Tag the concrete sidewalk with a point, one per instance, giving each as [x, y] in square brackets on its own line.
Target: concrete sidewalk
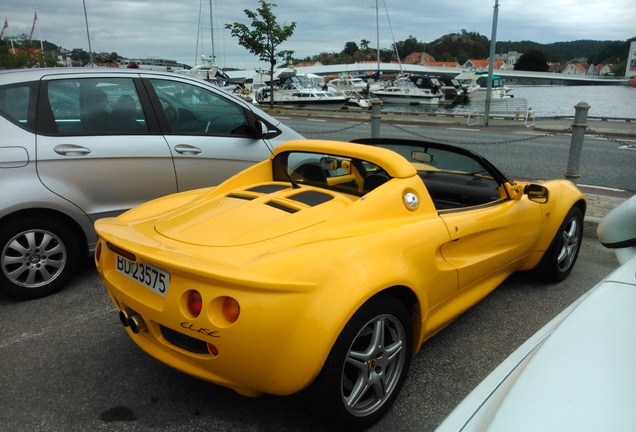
[598, 205]
[612, 128]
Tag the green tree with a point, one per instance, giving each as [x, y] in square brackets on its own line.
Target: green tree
[409, 46]
[22, 52]
[264, 37]
[533, 60]
[350, 48]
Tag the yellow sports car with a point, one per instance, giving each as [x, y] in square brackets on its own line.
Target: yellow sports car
[329, 264]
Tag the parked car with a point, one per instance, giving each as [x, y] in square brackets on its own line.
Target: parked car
[80, 144]
[577, 373]
[328, 265]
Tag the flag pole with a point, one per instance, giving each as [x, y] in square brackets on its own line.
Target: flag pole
[6, 24]
[35, 18]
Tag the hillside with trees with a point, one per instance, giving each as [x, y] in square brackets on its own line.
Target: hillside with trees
[463, 46]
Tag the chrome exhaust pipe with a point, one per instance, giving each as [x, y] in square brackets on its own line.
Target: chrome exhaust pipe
[136, 323]
[125, 315]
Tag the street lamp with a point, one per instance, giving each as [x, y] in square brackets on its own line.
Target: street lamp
[491, 62]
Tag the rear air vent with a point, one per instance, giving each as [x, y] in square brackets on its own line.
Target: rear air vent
[243, 197]
[311, 198]
[268, 188]
[282, 207]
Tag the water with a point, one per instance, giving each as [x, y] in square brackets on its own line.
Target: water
[615, 101]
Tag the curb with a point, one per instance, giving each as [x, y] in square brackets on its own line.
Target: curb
[590, 225]
[593, 131]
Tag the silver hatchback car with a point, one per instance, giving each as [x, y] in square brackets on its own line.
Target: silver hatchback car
[80, 144]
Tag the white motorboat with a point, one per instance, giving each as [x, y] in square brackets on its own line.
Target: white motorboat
[475, 85]
[412, 90]
[453, 91]
[356, 84]
[298, 90]
[356, 99]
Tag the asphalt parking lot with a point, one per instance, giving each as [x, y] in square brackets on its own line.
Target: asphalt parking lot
[68, 365]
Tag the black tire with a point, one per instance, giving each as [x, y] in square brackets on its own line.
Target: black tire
[37, 257]
[559, 259]
[359, 368]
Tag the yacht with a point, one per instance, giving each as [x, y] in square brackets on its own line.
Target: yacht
[298, 90]
[412, 90]
[475, 85]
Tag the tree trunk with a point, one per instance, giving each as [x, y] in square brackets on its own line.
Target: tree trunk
[271, 86]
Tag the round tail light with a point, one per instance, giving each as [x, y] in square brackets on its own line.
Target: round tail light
[231, 309]
[195, 303]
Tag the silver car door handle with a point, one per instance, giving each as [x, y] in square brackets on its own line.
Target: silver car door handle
[187, 149]
[71, 150]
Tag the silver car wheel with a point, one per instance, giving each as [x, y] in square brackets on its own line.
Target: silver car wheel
[570, 244]
[559, 259]
[33, 258]
[373, 365]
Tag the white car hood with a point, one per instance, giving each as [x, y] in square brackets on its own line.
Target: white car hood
[576, 374]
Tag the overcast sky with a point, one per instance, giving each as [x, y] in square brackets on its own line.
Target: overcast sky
[168, 28]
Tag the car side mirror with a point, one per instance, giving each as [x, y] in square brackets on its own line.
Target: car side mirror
[261, 129]
[536, 193]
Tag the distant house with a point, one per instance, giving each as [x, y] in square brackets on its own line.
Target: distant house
[511, 58]
[308, 64]
[603, 69]
[442, 64]
[556, 67]
[418, 58]
[480, 65]
[576, 69]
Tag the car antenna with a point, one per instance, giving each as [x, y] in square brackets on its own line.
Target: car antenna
[295, 185]
[293, 182]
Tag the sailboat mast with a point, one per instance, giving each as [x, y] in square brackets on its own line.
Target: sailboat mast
[377, 32]
[196, 51]
[212, 33]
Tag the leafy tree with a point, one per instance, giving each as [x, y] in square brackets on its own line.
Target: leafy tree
[409, 46]
[613, 52]
[350, 48]
[533, 60]
[364, 44]
[459, 47]
[25, 53]
[79, 55]
[264, 37]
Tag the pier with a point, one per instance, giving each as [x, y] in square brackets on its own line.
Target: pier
[513, 75]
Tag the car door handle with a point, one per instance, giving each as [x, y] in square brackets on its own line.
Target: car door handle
[187, 149]
[71, 150]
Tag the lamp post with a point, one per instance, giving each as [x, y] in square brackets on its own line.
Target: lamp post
[491, 62]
